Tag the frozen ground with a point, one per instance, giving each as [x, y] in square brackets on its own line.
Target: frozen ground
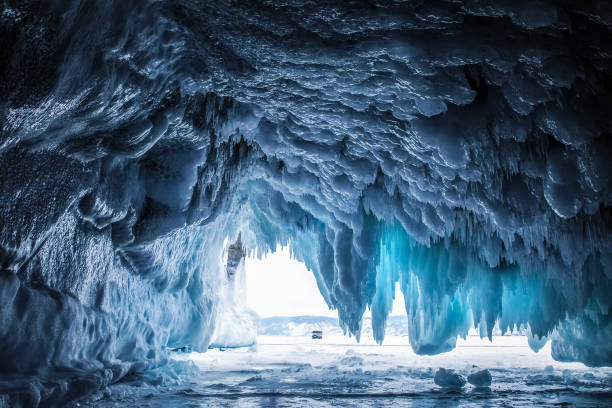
[284, 371]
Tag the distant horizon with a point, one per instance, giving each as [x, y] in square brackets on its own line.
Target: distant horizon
[396, 325]
[369, 316]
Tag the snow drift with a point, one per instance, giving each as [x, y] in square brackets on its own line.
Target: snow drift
[461, 149]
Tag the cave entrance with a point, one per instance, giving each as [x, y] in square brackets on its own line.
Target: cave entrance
[285, 296]
[278, 285]
[284, 365]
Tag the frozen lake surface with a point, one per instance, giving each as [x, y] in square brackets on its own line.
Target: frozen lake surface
[282, 371]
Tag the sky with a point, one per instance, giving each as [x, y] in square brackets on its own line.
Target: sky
[280, 286]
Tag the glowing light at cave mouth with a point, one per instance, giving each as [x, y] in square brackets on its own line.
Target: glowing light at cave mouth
[278, 285]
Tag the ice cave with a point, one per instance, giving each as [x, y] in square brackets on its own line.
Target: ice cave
[458, 151]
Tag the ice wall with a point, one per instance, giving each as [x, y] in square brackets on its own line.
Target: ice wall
[460, 148]
[236, 323]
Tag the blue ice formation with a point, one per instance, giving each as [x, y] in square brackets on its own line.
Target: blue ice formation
[480, 378]
[459, 148]
[448, 379]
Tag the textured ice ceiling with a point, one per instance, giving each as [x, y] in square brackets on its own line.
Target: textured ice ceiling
[461, 148]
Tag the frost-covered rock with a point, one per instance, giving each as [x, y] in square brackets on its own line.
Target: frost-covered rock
[448, 379]
[480, 379]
